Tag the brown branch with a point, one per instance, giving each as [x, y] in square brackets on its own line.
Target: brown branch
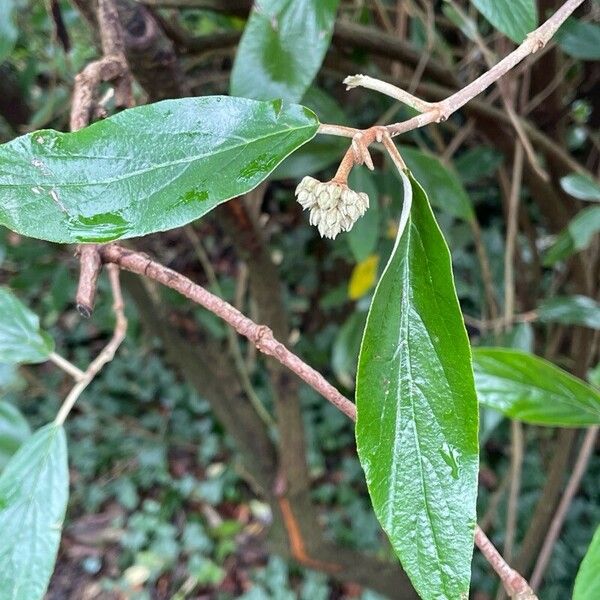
[87, 81]
[112, 67]
[260, 335]
[89, 270]
[515, 585]
[111, 38]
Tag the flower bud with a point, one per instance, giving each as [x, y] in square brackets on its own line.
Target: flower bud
[333, 206]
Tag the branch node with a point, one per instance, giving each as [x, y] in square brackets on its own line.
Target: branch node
[261, 334]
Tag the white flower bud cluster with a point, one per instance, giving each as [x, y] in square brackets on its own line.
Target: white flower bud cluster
[333, 207]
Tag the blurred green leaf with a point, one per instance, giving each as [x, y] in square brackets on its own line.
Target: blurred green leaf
[346, 346]
[440, 184]
[580, 186]
[587, 582]
[282, 48]
[514, 18]
[530, 389]
[571, 310]
[146, 169]
[364, 234]
[416, 427]
[519, 337]
[21, 339]
[579, 40]
[577, 236]
[477, 163]
[8, 28]
[14, 430]
[34, 489]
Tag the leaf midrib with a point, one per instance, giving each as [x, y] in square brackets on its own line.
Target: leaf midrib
[159, 166]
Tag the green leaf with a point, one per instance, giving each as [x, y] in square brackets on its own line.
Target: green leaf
[441, 185]
[477, 163]
[514, 18]
[530, 389]
[21, 340]
[576, 237]
[364, 235]
[8, 28]
[581, 187]
[571, 310]
[417, 410]
[145, 169]
[14, 430]
[282, 48]
[323, 150]
[579, 40]
[587, 582]
[34, 489]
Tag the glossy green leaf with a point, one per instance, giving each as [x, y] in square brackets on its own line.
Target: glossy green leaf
[282, 48]
[576, 237]
[323, 150]
[8, 28]
[34, 489]
[145, 169]
[346, 346]
[579, 39]
[21, 339]
[581, 187]
[364, 235]
[417, 419]
[514, 18]
[530, 389]
[14, 430]
[587, 582]
[571, 310]
[441, 185]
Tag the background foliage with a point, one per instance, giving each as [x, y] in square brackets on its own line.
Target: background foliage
[160, 504]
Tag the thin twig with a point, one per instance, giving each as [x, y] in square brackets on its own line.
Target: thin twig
[111, 67]
[534, 41]
[486, 269]
[511, 233]
[106, 355]
[512, 510]
[440, 111]
[90, 266]
[559, 517]
[370, 83]
[490, 59]
[68, 367]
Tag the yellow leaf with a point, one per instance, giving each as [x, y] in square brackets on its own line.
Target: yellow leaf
[363, 277]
